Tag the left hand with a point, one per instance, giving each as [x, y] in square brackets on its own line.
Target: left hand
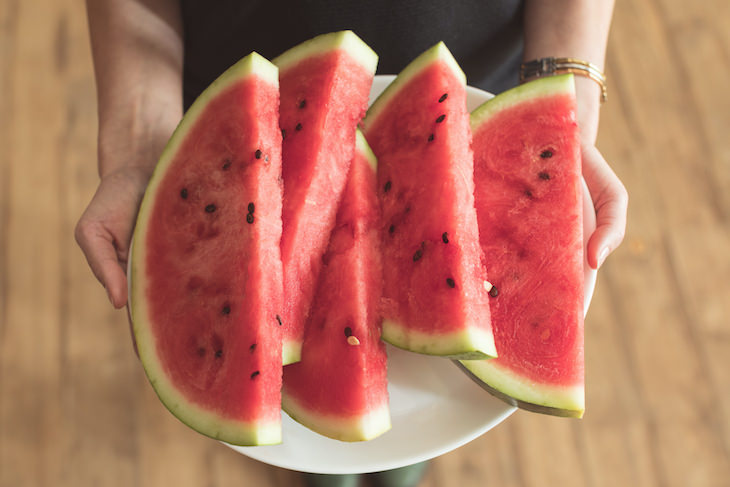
[610, 198]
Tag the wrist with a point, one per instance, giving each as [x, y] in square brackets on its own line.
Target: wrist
[588, 100]
[590, 88]
[134, 137]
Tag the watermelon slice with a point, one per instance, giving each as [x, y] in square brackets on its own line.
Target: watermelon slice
[529, 204]
[206, 270]
[339, 389]
[434, 299]
[325, 84]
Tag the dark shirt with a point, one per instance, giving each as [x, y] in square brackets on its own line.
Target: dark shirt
[484, 36]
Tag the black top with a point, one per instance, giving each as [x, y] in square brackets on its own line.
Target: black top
[484, 36]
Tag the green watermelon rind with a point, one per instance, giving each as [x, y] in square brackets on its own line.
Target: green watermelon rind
[363, 427]
[557, 400]
[345, 40]
[199, 419]
[438, 52]
[449, 345]
[361, 146]
[551, 85]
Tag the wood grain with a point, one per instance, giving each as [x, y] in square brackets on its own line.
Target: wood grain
[76, 408]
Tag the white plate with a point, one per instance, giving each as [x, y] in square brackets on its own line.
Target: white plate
[435, 407]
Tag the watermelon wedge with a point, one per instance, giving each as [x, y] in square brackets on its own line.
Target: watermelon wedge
[206, 270]
[325, 84]
[529, 205]
[434, 301]
[339, 389]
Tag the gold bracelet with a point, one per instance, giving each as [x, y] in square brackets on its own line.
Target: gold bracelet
[550, 66]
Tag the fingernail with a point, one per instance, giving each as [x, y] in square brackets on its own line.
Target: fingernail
[602, 256]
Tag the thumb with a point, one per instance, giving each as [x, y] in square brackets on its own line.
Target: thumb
[610, 200]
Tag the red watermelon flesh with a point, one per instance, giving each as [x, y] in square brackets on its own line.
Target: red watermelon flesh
[434, 298]
[529, 205]
[325, 84]
[339, 389]
[206, 270]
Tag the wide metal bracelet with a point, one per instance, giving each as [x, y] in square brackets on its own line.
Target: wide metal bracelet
[551, 66]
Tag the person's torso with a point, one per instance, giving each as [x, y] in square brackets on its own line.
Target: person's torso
[484, 36]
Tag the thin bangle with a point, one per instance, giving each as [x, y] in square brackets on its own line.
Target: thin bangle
[551, 66]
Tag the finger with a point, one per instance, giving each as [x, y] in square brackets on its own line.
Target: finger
[610, 201]
[99, 249]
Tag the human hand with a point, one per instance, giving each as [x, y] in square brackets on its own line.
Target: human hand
[104, 231]
[610, 201]
[610, 198]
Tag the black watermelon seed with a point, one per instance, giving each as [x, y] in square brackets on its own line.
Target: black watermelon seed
[443, 97]
[258, 154]
[450, 282]
[226, 309]
[430, 138]
[254, 374]
[278, 319]
[298, 127]
[266, 158]
[494, 292]
[283, 134]
[445, 237]
[440, 119]
[528, 193]
[218, 353]
[387, 186]
[348, 331]
[210, 208]
[184, 193]
[417, 255]
[226, 164]
[544, 175]
[251, 207]
[391, 229]
[302, 103]
[249, 218]
[252, 347]
[546, 154]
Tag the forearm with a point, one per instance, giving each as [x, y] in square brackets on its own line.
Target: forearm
[137, 50]
[571, 28]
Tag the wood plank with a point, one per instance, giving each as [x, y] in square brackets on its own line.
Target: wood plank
[8, 14]
[29, 346]
[701, 40]
[102, 382]
[670, 361]
[490, 457]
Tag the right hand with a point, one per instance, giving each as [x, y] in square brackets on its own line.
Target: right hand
[105, 229]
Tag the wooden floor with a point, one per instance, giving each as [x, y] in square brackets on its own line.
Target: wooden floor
[76, 409]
